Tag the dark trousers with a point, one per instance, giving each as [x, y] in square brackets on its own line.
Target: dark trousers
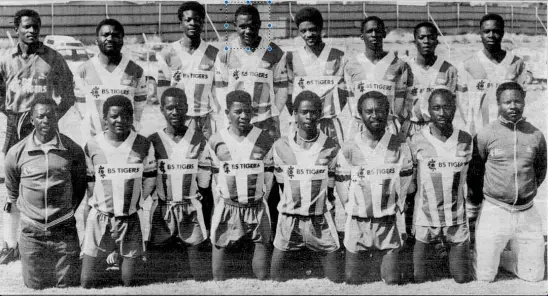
[50, 258]
[18, 126]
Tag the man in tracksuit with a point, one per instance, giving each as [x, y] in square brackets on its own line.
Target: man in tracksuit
[45, 182]
[509, 163]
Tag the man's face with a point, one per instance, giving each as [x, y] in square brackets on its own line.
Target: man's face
[110, 40]
[442, 111]
[374, 114]
[119, 121]
[307, 116]
[311, 34]
[373, 34]
[491, 35]
[44, 119]
[511, 105]
[239, 116]
[426, 41]
[248, 29]
[28, 31]
[191, 24]
[174, 111]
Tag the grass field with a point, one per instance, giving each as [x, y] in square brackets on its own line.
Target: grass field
[461, 46]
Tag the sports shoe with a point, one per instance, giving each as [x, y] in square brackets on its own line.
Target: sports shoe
[8, 255]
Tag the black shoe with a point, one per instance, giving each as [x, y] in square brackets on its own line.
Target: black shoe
[8, 255]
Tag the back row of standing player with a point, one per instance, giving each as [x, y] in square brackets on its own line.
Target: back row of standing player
[269, 75]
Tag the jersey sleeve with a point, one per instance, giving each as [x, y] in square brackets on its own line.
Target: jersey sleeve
[278, 171]
[332, 168]
[402, 86]
[280, 83]
[149, 162]
[462, 91]
[268, 172]
[13, 175]
[164, 71]
[90, 171]
[407, 176]
[63, 84]
[204, 167]
[342, 175]
[220, 79]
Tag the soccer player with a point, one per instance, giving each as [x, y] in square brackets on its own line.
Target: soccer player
[45, 176]
[255, 65]
[305, 169]
[26, 71]
[319, 68]
[121, 168]
[482, 73]
[441, 154]
[242, 168]
[108, 73]
[374, 171]
[377, 70]
[188, 64]
[429, 72]
[184, 173]
[508, 166]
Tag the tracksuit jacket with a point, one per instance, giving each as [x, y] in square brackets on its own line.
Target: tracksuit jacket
[509, 163]
[48, 181]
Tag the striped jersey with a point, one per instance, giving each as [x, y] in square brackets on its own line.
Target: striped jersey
[374, 181]
[323, 75]
[441, 176]
[191, 72]
[261, 73]
[389, 76]
[44, 72]
[241, 166]
[306, 174]
[479, 78]
[424, 81]
[181, 166]
[94, 84]
[118, 172]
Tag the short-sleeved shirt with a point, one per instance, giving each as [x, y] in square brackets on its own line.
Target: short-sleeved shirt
[305, 174]
[241, 165]
[479, 78]
[192, 72]
[389, 76]
[424, 81]
[323, 75]
[441, 176]
[181, 166]
[375, 180]
[118, 172]
[44, 72]
[94, 84]
[257, 73]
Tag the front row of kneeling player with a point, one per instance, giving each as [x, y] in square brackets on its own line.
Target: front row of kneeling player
[373, 173]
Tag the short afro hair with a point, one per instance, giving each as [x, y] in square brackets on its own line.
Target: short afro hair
[309, 14]
[248, 10]
[28, 13]
[443, 92]
[191, 5]
[175, 93]
[118, 101]
[238, 96]
[42, 99]
[372, 95]
[492, 17]
[310, 97]
[372, 18]
[110, 22]
[425, 25]
[510, 85]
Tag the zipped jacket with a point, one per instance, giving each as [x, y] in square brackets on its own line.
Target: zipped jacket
[47, 181]
[509, 163]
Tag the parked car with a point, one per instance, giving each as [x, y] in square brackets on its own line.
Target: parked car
[72, 50]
